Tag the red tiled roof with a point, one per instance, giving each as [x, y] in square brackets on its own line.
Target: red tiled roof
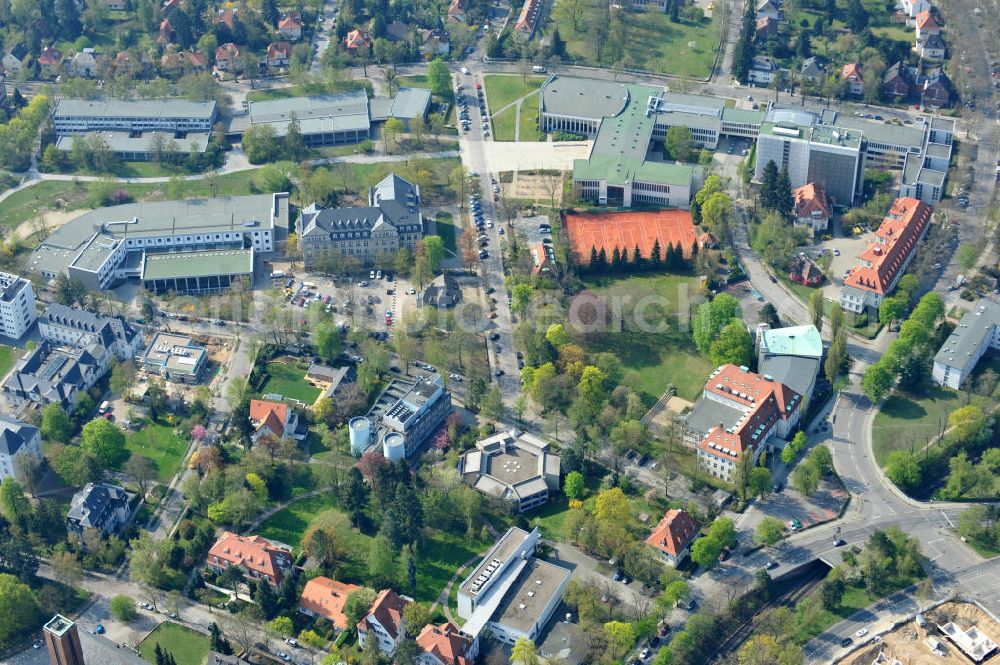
[290, 20]
[926, 22]
[765, 400]
[50, 56]
[226, 16]
[276, 49]
[852, 70]
[627, 229]
[274, 415]
[895, 240]
[387, 610]
[254, 553]
[811, 197]
[325, 597]
[674, 532]
[357, 39]
[542, 258]
[444, 642]
[529, 15]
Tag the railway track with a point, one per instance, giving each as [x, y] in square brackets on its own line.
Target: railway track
[788, 598]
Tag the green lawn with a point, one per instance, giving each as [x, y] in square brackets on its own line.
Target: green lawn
[445, 224]
[439, 556]
[651, 42]
[505, 125]
[6, 359]
[503, 89]
[653, 359]
[894, 32]
[907, 420]
[415, 81]
[158, 442]
[289, 524]
[288, 380]
[187, 646]
[529, 120]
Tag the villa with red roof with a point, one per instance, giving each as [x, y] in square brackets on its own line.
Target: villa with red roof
[885, 259]
[672, 537]
[852, 75]
[290, 26]
[357, 40]
[384, 622]
[738, 413]
[927, 25]
[323, 597]
[812, 207]
[258, 557]
[445, 645]
[273, 419]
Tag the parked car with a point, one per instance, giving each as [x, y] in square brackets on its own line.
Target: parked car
[846, 642]
[861, 632]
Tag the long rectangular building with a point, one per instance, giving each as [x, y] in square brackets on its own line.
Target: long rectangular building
[79, 116]
[976, 333]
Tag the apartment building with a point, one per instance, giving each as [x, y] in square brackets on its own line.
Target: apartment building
[256, 557]
[56, 374]
[17, 305]
[671, 538]
[391, 221]
[975, 334]
[384, 622]
[60, 324]
[99, 506]
[20, 446]
[886, 258]
[737, 415]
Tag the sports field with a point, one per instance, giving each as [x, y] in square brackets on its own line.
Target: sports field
[628, 230]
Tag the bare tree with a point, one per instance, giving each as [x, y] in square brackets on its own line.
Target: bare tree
[142, 470]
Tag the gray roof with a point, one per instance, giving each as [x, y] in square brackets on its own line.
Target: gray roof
[511, 464]
[51, 374]
[945, 124]
[124, 108]
[915, 172]
[881, 132]
[796, 372]
[11, 286]
[14, 434]
[95, 504]
[393, 201]
[964, 341]
[410, 103]
[341, 111]
[708, 413]
[521, 611]
[582, 97]
[564, 643]
[934, 43]
[108, 329]
[146, 142]
[941, 150]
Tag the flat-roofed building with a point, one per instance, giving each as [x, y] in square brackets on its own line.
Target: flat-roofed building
[790, 356]
[79, 116]
[514, 466]
[196, 272]
[17, 305]
[63, 641]
[413, 408]
[976, 333]
[143, 147]
[886, 258]
[105, 245]
[511, 594]
[175, 358]
[329, 119]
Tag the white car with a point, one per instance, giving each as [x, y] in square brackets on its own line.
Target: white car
[464, 70]
[412, 292]
[861, 632]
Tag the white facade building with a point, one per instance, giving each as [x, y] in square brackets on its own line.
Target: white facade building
[978, 331]
[18, 442]
[17, 305]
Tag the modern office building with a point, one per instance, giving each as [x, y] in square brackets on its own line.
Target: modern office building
[144, 147]
[175, 358]
[17, 305]
[60, 324]
[738, 413]
[511, 594]
[63, 641]
[20, 445]
[975, 334]
[391, 221]
[411, 408]
[111, 244]
[886, 258]
[180, 116]
[790, 356]
[514, 466]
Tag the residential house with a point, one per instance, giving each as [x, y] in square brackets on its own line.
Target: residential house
[897, 82]
[290, 26]
[20, 448]
[926, 25]
[804, 271]
[445, 645]
[323, 597]
[543, 259]
[226, 16]
[769, 9]
[812, 207]
[673, 535]
[126, 64]
[50, 61]
[86, 63]
[356, 40]
[767, 27]
[275, 420]
[763, 69]
[813, 69]
[55, 374]
[527, 20]
[166, 34]
[228, 59]
[436, 43]
[935, 90]
[175, 62]
[885, 259]
[16, 58]
[257, 557]
[278, 55]
[384, 622]
[852, 75]
[456, 11]
[913, 7]
[932, 48]
[397, 31]
[707, 241]
[98, 506]
[170, 5]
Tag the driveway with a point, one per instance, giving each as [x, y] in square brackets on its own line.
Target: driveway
[588, 568]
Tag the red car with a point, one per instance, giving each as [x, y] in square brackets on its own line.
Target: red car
[479, 86]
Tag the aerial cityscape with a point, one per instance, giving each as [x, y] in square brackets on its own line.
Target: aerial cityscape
[490, 332]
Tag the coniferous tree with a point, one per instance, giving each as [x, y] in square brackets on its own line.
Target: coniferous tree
[654, 256]
[616, 259]
[158, 653]
[593, 258]
[769, 186]
[694, 251]
[784, 200]
[636, 257]
[602, 259]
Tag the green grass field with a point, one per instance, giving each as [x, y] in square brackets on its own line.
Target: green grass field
[158, 442]
[651, 42]
[289, 524]
[445, 224]
[653, 360]
[907, 420]
[505, 125]
[6, 359]
[187, 646]
[529, 120]
[503, 89]
[288, 380]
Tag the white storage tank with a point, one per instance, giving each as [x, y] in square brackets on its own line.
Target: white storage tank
[393, 447]
[359, 430]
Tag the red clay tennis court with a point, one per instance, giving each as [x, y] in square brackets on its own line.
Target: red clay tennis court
[627, 229]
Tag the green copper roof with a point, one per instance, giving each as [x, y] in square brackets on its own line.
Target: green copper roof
[622, 170]
[795, 341]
